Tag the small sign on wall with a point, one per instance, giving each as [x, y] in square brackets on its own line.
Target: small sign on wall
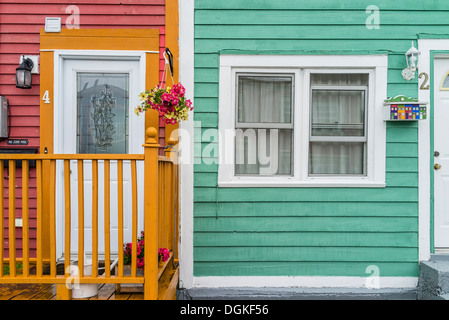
[17, 142]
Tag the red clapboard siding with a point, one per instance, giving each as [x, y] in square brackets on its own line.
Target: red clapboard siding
[20, 24]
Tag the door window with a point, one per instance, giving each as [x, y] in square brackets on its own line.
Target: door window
[445, 82]
[102, 113]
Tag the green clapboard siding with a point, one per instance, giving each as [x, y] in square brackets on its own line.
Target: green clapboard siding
[307, 231]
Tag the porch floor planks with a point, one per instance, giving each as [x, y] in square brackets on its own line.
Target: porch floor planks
[24, 291]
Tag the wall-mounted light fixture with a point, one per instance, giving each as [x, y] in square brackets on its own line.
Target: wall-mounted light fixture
[411, 56]
[23, 74]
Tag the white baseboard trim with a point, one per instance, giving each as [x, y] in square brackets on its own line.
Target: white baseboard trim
[306, 282]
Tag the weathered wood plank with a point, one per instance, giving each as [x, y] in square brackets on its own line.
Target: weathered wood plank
[306, 209]
[306, 238]
[304, 32]
[312, 268]
[310, 224]
[306, 16]
[312, 194]
[359, 5]
[322, 254]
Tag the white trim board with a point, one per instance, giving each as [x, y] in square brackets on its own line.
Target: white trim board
[304, 282]
[186, 72]
[425, 46]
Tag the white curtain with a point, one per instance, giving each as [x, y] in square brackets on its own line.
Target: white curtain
[336, 158]
[264, 149]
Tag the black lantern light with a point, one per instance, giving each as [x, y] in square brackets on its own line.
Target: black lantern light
[23, 74]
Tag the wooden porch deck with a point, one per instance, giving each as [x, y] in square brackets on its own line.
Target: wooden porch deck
[38, 291]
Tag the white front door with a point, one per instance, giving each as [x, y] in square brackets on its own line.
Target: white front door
[96, 115]
[441, 155]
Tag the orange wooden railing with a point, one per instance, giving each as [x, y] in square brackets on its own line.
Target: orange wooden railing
[160, 220]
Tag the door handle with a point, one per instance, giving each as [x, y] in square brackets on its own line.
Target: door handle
[437, 166]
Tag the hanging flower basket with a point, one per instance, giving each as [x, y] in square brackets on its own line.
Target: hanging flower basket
[171, 103]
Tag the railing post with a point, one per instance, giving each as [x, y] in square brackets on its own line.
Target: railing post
[151, 147]
[172, 152]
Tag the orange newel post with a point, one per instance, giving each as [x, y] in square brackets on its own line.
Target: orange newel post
[151, 214]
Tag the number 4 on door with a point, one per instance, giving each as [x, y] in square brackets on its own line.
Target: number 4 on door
[46, 97]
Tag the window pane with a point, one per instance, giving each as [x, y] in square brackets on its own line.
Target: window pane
[339, 79]
[338, 112]
[445, 83]
[263, 152]
[337, 158]
[264, 99]
[102, 112]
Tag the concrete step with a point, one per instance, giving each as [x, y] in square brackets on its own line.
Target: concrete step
[267, 293]
[433, 283]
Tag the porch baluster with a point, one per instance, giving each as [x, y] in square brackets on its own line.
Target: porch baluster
[151, 215]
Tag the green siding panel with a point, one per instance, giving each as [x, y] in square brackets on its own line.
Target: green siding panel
[308, 231]
[305, 239]
[325, 17]
[315, 268]
[327, 44]
[289, 224]
[328, 253]
[304, 32]
[401, 149]
[306, 209]
[304, 194]
[317, 5]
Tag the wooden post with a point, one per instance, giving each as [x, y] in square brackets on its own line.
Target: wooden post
[151, 214]
[63, 292]
[171, 152]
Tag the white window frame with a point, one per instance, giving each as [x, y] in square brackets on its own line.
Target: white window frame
[301, 67]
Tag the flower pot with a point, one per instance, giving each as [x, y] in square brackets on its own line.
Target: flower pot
[83, 290]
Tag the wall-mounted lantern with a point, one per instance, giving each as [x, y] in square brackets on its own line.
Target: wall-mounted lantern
[411, 57]
[23, 74]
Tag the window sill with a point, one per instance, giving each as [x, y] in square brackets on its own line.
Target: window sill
[294, 183]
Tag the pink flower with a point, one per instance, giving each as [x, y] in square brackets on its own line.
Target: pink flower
[178, 88]
[140, 262]
[164, 254]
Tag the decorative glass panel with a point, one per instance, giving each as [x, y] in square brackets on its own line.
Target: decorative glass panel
[102, 113]
[445, 83]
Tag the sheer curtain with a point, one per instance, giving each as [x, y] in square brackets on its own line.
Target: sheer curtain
[338, 130]
[264, 125]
